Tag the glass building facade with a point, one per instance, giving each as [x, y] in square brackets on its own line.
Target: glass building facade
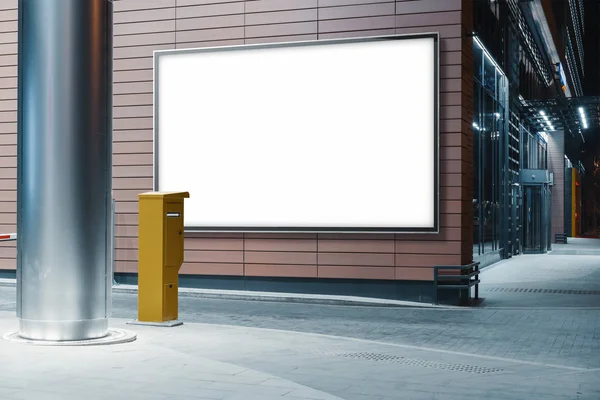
[508, 218]
[489, 98]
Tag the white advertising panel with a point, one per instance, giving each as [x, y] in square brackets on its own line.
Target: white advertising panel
[324, 136]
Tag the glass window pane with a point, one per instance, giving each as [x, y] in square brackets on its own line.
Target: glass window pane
[524, 149]
[489, 129]
[489, 75]
[489, 150]
[476, 172]
[478, 60]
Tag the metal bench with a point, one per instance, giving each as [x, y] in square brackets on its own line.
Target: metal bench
[468, 277]
[560, 238]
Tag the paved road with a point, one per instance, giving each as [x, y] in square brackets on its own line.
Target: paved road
[207, 361]
[548, 335]
[558, 336]
[539, 326]
[567, 337]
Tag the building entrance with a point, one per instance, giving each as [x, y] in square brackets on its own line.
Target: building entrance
[536, 218]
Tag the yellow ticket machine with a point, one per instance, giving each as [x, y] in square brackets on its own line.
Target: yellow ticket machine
[160, 255]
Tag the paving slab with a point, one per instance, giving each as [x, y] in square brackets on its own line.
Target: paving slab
[207, 361]
[145, 369]
[577, 247]
[543, 281]
[520, 345]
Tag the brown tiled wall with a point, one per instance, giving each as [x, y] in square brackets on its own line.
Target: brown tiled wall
[144, 26]
[8, 129]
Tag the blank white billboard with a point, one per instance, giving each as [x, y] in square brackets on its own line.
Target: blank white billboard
[331, 136]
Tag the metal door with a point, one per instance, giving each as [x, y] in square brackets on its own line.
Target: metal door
[532, 227]
[548, 216]
[536, 223]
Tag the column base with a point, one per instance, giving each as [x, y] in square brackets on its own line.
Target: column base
[63, 330]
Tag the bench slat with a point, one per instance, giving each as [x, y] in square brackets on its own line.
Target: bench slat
[472, 274]
[465, 286]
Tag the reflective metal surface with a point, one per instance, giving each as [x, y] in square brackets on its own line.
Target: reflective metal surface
[64, 169]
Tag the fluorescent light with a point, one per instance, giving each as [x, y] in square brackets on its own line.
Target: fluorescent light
[487, 55]
[583, 119]
[475, 125]
[544, 136]
[497, 115]
[543, 114]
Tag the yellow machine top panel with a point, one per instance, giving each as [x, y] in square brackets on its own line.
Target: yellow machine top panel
[167, 195]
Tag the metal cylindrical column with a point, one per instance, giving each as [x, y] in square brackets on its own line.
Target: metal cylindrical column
[64, 169]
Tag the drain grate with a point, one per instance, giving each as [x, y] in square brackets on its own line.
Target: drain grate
[529, 290]
[368, 356]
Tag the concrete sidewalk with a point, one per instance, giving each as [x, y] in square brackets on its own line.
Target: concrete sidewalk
[577, 247]
[537, 281]
[149, 368]
[199, 361]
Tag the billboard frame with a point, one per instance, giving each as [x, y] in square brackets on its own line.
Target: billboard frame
[435, 229]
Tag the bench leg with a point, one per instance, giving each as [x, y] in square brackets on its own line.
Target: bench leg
[435, 287]
[477, 284]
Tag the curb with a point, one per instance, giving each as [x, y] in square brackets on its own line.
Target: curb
[292, 298]
[279, 297]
